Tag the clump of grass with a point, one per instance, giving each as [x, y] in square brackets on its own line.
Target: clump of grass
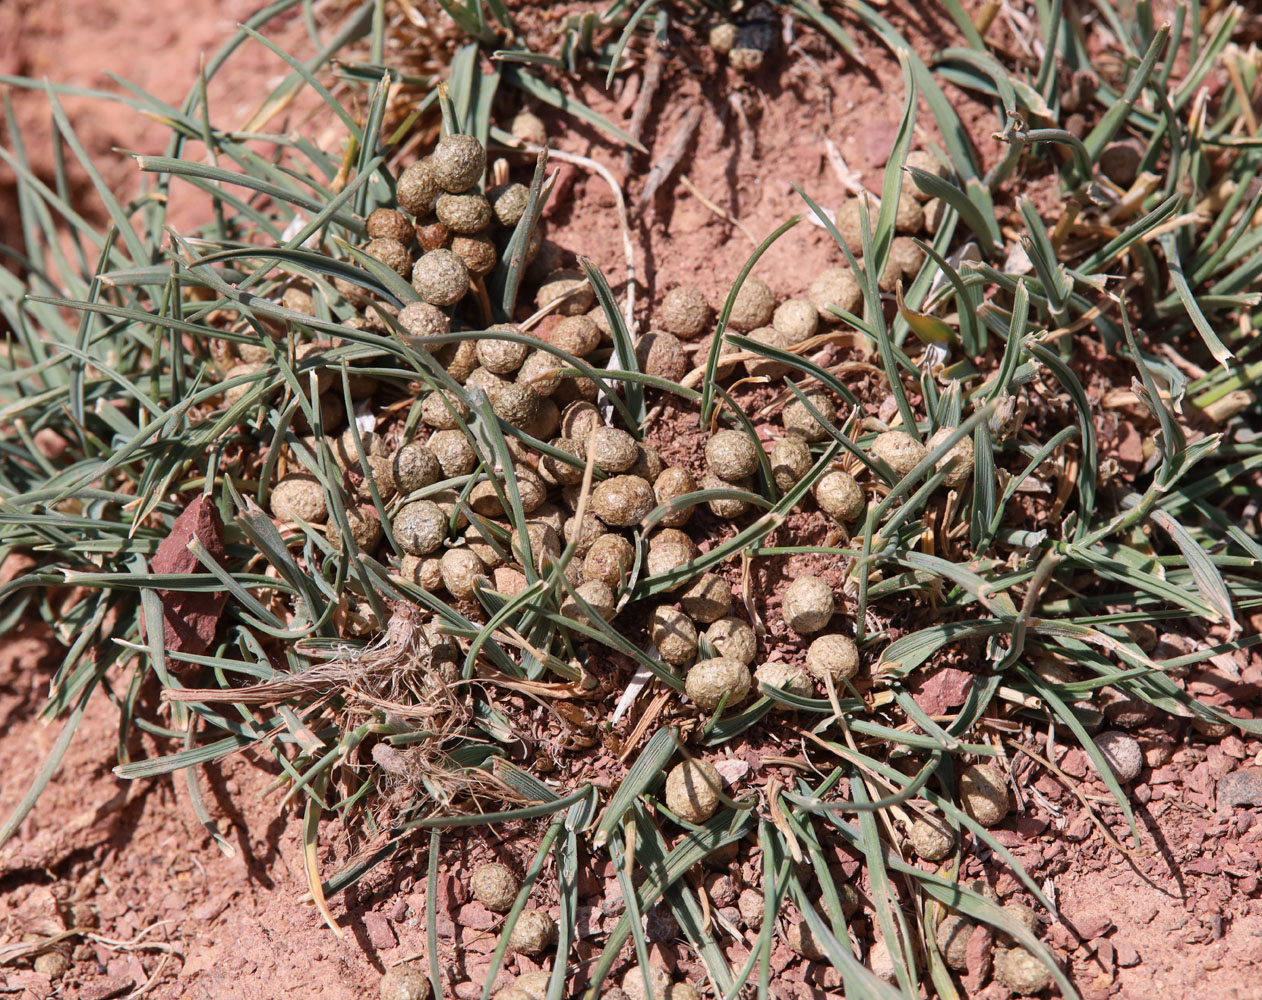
[380, 695]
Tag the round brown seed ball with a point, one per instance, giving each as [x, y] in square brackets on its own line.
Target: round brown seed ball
[458, 162]
[984, 793]
[904, 261]
[382, 479]
[386, 223]
[533, 984]
[237, 392]
[460, 568]
[443, 410]
[440, 278]
[534, 932]
[707, 599]
[554, 470]
[453, 507]
[596, 594]
[662, 354]
[1122, 753]
[959, 457]
[674, 635]
[621, 501]
[835, 287]
[609, 560]
[839, 496]
[578, 419]
[508, 202]
[899, 450]
[463, 213]
[420, 319]
[910, 214]
[611, 450]
[723, 37]
[515, 403]
[952, 937]
[419, 527]
[935, 214]
[746, 60]
[766, 367]
[800, 421]
[708, 681]
[365, 527]
[753, 307]
[570, 285]
[834, 656]
[692, 790]
[415, 466]
[576, 335]
[807, 605]
[299, 497]
[495, 887]
[669, 549]
[734, 639]
[648, 463]
[801, 939]
[426, 572]
[849, 220]
[502, 357]
[731, 455]
[1021, 972]
[545, 544]
[797, 319]
[418, 189]
[790, 460]
[539, 371]
[659, 981]
[531, 490]
[922, 159]
[576, 387]
[731, 507]
[583, 534]
[932, 839]
[455, 455]
[685, 312]
[783, 677]
[432, 234]
[528, 127]
[405, 982]
[672, 483]
[478, 253]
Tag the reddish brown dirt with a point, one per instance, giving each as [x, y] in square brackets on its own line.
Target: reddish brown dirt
[167, 908]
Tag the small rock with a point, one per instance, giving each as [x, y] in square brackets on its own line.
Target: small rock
[104, 989]
[1241, 788]
[476, 916]
[380, 933]
[731, 770]
[1127, 956]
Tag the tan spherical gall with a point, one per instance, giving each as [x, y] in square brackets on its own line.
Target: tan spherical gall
[443, 410]
[662, 355]
[685, 313]
[766, 367]
[365, 528]
[659, 983]
[534, 932]
[835, 287]
[648, 463]
[834, 656]
[840, 496]
[783, 677]
[597, 594]
[415, 466]
[495, 887]
[420, 527]
[576, 335]
[707, 599]
[420, 319]
[754, 306]
[849, 221]
[515, 404]
[440, 278]
[392, 253]
[959, 457]
[569, 286]
[609, 560]
[671, 484]
[460, 569]
[807, 606]
[1122, 753]
[455, 455]
[1021, 972]
[904, 261]
[899, 450]
[692, 790]
[299, 497]
[707, 682]
[734, 639]
[465, 214]
[583, 535]
[386, 223]
[952, 936]
[458, 162]
[723, 37]
[790, 460]
[432, 234]
[731, 455]
[910, 215]
[674, 635]
[502, 357]
[731, 507]
[611, 450]
[528, 127]
[622, 501]
[669, 549]
[984, 793]
[801, 940]
[932, 839]
[797, 319]
[417, 189]
[508, 203]
[477, 251]
[800, 421]
[405, 982]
